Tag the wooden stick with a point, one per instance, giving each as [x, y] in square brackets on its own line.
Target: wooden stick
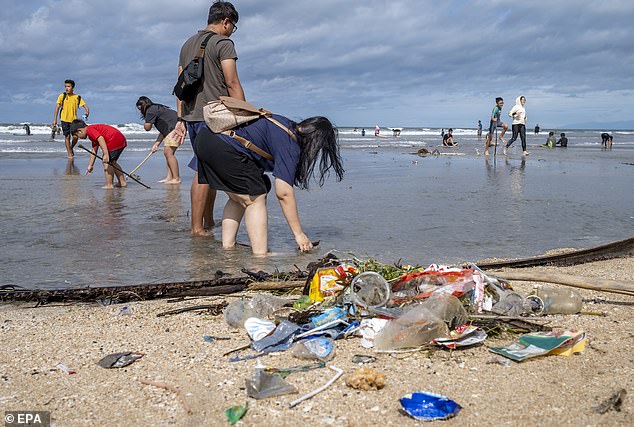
[267, 286]
[624, 287]
[142, 162]
[174, 390]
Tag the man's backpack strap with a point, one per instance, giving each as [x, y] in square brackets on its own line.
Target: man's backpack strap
[248, 144]
[203, 45]
[62, 104]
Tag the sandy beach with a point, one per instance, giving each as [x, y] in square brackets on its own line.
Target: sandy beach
[552, 390]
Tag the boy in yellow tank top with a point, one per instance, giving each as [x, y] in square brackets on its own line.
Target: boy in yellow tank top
[67, 105]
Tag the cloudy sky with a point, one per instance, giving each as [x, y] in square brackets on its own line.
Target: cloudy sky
[395, 63]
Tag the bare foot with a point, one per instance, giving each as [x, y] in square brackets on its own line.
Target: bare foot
[121, 184]
[486, 153]
[163, 180]
[173, 181]
[108, 187]
[505, 150]
[526, 153]
[200, 233]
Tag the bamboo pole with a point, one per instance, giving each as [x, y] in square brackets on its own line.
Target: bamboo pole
[625, 287]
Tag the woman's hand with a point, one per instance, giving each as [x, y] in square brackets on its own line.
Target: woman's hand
[304, 242]
[106, 160]
[89, 169]
[155, 147]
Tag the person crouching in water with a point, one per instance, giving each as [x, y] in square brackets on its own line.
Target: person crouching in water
[289, 150]
[164, 119]
[111, 141]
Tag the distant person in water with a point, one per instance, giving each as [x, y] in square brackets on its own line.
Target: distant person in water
[537, 129]
[363, 132]
[563, 141]
[518, 113]
[396, 132]
[112, 143]
[495, 122]
[479, 128]
[27, 128]
[550, 141]
[606, 140]
[447, 139]
[377, 130]
[164, 120]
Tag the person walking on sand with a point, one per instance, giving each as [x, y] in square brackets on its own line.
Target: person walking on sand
[496, 122]
[518, 113]
[479, 128]
[289, 150]
[66, 107]
[220, 78]
[164, 119]
[112, 143]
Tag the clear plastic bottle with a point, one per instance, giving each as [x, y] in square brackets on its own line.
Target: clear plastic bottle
[556, 301]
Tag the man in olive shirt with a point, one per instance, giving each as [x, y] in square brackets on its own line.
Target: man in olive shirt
[220, 79]
[68, 102]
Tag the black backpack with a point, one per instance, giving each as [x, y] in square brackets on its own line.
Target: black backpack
[64, 99]
[191, 78]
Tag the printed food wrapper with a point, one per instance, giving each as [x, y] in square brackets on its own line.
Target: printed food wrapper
[330, 281]
[537, 344]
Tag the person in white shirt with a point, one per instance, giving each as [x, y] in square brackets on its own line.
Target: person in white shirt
[518, 113]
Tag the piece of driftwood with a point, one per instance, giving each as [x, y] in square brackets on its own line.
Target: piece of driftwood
[604, 285]
[221, 285]
[618, 249]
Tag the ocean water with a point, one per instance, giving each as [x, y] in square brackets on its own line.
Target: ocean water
[60, 229]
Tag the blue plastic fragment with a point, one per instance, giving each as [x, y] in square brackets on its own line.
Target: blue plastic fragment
[425, 406]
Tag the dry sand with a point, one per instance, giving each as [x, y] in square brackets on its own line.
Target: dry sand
[553, 390]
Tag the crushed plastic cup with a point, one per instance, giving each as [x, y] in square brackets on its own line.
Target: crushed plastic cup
[258, 328]
[425, 406]
[320, 348]
[370, 290]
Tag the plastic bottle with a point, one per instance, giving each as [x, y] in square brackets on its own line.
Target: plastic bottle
[556, 301]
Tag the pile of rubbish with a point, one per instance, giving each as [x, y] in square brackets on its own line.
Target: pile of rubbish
[393, 308]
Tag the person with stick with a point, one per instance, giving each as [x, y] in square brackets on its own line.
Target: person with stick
[164, 119]
[112, 143]
[494, 124]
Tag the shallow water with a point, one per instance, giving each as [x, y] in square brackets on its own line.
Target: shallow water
[59, 228]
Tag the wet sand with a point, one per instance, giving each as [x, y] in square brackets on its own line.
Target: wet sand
[553, 390]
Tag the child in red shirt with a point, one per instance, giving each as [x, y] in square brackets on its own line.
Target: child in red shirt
[112, 143]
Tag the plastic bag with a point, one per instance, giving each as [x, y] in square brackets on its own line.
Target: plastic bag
[265, 384]
[421, 323]
[320, 348]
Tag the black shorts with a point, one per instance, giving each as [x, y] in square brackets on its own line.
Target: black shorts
[492, 126]
[66, 128]
[114, 154]
[226, 169]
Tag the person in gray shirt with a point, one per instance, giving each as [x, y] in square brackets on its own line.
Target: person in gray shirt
[220, 79]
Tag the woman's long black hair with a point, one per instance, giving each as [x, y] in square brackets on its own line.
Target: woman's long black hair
[142, 104]
[317, 135]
